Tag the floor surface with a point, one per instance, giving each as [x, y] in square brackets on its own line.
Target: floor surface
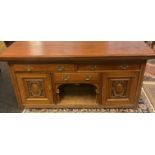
[8, 101]
[149, 88]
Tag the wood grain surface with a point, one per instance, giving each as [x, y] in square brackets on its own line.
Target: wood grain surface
[48, 50]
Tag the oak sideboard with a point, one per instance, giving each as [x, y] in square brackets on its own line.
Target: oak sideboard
[39, 69]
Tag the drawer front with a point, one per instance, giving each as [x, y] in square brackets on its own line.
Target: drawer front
[100, 67]
[43, 67]
[73, 77]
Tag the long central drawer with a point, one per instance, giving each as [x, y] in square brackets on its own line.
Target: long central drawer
[76, 77]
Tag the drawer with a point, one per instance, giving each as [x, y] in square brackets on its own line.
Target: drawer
[100, 67]
[43, 67]
[73, 77]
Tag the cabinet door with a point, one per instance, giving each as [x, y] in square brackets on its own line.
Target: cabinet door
[119, 89]
[35, 89]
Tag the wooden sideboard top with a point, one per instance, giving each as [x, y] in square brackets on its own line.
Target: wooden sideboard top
[48, 50]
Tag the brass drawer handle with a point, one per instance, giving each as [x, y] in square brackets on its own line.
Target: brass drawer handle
[60, 68]
[92, 67]
[88, 77]
[125, 66]
[29, 68]
[66, 77]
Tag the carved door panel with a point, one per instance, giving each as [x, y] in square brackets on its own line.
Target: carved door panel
[35, 88]
[119, 88]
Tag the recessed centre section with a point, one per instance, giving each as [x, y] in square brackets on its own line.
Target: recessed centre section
[77, 94]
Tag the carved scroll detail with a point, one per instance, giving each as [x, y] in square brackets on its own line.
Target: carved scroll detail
[119, 88]
[35, 87]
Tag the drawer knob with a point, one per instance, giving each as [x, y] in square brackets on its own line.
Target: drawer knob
[66, 77]
[29, 68]
[92, 67]
[60, 68]
[88, 78]
[125, 66]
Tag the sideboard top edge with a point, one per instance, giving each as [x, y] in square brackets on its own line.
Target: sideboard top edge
[55, 50]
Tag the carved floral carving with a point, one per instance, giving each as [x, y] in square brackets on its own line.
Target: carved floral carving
[119, 88]
[35, 87]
